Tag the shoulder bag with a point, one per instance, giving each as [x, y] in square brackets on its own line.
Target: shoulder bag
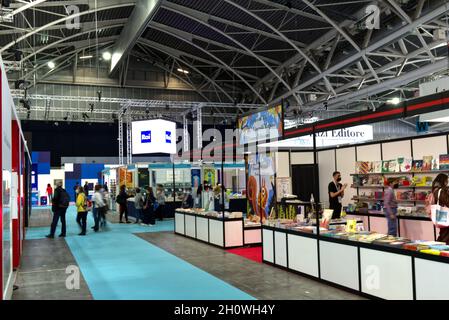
[439, 214]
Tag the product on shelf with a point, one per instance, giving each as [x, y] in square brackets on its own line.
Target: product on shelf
[377, 167]
[385, 166]
[444, 162]
[417, 166]
[427, 163]
[393, 166]
[405, 164]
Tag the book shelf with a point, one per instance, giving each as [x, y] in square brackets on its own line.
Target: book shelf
[372, 186]
[361, 199]
[400, 173]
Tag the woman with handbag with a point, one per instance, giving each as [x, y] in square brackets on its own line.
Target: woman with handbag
[81, 208]
[148, 208]
[438, 201]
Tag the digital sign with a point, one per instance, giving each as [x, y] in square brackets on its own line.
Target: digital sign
[153, 136]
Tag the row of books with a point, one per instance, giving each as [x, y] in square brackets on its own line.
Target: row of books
[428, 163]
[400, 195]
[380, 181]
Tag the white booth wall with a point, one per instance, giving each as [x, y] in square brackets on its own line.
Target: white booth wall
[343, 160]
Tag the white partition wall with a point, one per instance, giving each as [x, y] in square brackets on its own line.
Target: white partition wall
[370, 152]
[394, 150]
[433, 146]
[326, 166]
[282, 164]
[432, 282]
[179, 223]
[303, 254]
[268, 245]
[301, 157]
[280, 248]
[346, 166]
[339, 264]
[386, 275]
[190, 225]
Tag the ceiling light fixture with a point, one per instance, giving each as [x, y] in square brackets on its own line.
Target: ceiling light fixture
[395, 100]
[86, 57]
[107, 55]
[183, 71]
[51, 64]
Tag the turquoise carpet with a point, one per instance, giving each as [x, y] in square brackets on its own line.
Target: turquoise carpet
[117, 265]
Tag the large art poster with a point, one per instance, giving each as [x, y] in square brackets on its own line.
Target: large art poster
[261, 186]
[261, 126]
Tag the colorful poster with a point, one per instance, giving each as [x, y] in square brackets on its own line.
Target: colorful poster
[444, 161]
[261, 126]
[143, 177]
[121, 176]
[209, 175]
[260, 186]
[196, 178]
[129, 180]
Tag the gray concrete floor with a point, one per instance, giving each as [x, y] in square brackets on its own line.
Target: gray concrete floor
[262, 281]
[42, 274]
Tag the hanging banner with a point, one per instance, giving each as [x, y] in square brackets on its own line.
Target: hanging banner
[261, 126]
[196, 178]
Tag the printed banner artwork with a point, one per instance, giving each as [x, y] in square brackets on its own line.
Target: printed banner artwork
[210, 175]
[260, 186]
[261, 126]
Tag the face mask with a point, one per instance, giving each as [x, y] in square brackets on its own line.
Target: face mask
[338, 179]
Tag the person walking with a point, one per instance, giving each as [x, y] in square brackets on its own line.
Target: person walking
[106, 198]
[81, 209]
[59, 205]
[138, 205]
[49, 193]
[86, 189]
[123, 203]
[148, 208]
[336, 192]
[98, 206]
[391, 206]
[75, 191]
[160, 198]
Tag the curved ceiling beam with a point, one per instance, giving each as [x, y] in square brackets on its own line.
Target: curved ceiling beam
[302, 53]
[174, 74]
[251, 53]
[179, 53]
[50, 45]
[224, 64]
[212, 82]
[25, 7]
[383, 41]
[73, 16]
[66, 54]
[345, 35]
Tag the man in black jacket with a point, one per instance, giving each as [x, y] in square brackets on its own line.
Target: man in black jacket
[59, 206]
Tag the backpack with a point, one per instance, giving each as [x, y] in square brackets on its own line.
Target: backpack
[64, 199]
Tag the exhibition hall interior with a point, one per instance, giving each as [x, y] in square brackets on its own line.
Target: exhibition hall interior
[224, 150]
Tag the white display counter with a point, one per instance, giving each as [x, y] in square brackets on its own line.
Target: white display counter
[227, 233]
[367, 269]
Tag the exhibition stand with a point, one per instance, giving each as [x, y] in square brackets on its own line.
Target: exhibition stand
[379, 271]
[15, 193]
[364, 259]
[229, 232]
